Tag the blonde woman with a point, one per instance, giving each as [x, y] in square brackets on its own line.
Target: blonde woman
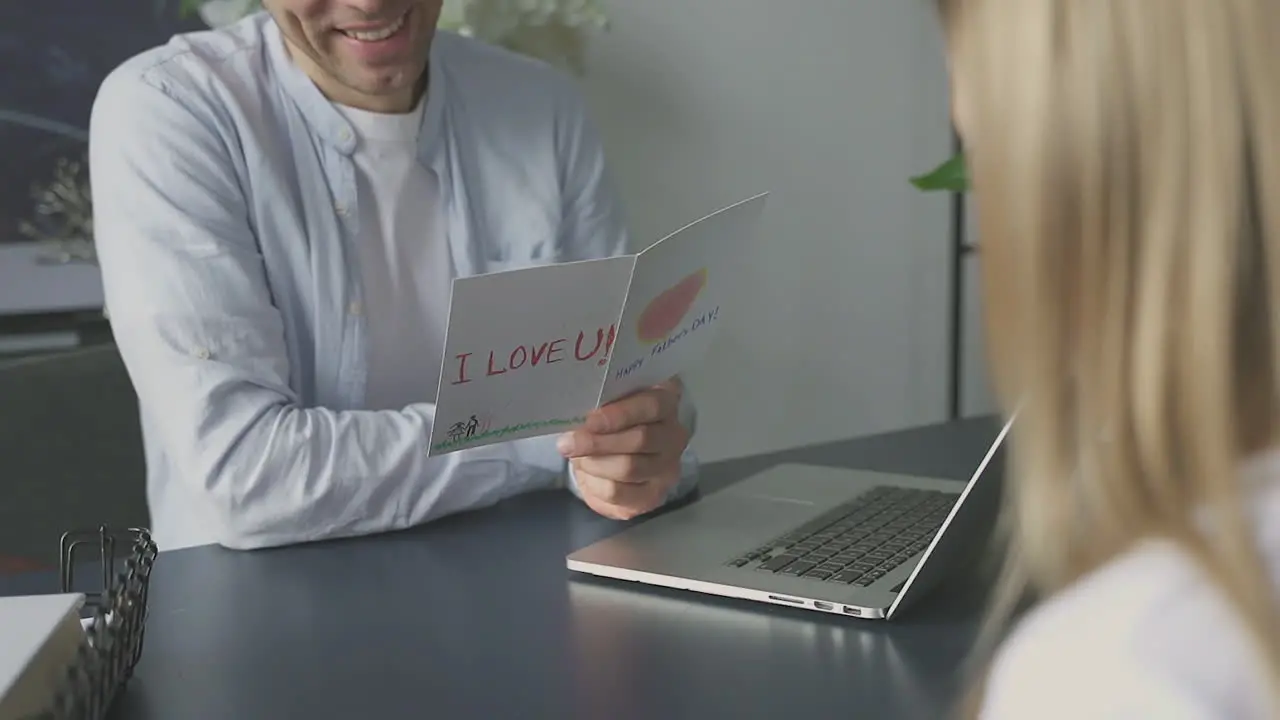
[1125, 156]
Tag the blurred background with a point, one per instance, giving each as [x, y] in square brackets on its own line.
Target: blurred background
[857, 312]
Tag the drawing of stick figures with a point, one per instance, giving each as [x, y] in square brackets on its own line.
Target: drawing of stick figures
[456, 431]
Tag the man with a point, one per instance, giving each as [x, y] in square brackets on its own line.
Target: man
[280, 207]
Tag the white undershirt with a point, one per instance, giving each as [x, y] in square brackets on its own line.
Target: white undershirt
[404, 258]
[1146, 636]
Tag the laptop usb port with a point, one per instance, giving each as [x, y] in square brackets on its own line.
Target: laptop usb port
[851, 610]
[822, 605]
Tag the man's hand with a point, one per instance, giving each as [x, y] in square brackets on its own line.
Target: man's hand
[626, 456]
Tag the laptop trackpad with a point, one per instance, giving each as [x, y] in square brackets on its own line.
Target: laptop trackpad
[753, 516]
[708, 532]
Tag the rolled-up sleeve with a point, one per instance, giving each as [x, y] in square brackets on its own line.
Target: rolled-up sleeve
[193, 316]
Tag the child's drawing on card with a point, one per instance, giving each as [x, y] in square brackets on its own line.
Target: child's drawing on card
[664, 313]
[528, 354]
[674, 304]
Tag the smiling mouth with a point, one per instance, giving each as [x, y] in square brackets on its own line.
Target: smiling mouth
[378, 33]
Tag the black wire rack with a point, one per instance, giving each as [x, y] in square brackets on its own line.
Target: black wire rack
[112, 645]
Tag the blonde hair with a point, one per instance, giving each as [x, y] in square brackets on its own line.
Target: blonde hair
[1127, 179]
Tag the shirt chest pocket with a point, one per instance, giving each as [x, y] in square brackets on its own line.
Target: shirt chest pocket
[523, 235]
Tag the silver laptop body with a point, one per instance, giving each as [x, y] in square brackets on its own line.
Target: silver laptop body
[849, 542]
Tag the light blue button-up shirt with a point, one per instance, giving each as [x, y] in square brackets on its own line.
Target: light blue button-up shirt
[226, 217]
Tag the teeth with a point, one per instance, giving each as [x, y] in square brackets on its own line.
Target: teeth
[376, 35]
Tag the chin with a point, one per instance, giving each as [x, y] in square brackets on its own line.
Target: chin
[385, 83]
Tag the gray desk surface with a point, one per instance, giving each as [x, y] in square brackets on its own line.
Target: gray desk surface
[477, 617]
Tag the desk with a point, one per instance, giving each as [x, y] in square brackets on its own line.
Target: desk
[30, 285]
[47, 305]
[476, 617]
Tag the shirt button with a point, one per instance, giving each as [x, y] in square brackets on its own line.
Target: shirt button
[342, 209]
[344, 135]
[202, 353]
[354, 308]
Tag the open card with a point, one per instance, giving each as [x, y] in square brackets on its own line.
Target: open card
[531, 351]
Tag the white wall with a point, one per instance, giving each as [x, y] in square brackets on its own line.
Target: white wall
[842, 327]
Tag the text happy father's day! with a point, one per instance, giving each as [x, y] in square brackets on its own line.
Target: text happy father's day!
[587, 347]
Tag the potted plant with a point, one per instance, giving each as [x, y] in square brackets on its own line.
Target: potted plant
[950, 176]
[63, 220]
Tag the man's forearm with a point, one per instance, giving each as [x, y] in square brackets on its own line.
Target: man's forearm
[273, 473]
[311, 474]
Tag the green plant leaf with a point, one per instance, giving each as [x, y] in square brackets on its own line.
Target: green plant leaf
[950, 176]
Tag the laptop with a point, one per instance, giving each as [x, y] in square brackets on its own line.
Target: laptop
[850, 542]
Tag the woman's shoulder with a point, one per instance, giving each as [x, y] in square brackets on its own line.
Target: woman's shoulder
[1147, 635]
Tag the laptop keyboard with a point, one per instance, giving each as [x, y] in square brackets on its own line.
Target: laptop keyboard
[858, 542]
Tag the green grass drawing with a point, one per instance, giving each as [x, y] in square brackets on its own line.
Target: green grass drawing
[447, 445]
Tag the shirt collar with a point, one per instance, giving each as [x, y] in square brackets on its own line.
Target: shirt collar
[328, 122]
